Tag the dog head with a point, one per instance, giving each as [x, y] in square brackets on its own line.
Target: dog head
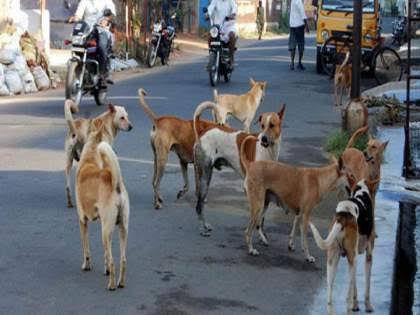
[120, 118]
[364, 186]
[271, 127]
[262, 85]
[374, 150]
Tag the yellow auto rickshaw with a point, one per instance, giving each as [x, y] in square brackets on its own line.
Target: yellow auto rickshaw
[334, 39]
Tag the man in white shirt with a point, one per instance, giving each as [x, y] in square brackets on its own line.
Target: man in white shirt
[92, 12]
[223, 13]
[297, 24]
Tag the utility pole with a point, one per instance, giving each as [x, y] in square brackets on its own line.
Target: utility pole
[357, 48]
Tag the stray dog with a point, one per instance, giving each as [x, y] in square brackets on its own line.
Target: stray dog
[170, 133]
[342, 80]
[115, 119]
[352, 228]
[219, 146]
[295, 188]
[100, 193]
[242, 107]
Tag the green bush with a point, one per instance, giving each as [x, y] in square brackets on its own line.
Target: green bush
[284, 23]
[336, 143]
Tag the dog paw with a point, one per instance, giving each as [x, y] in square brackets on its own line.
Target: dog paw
[291, 247]
[112, 287]
[205, 233]
[121, 284]
[208, 227]
[369, 308]
[310, 259]
[86, 266]
[253, 252]
[158, 205]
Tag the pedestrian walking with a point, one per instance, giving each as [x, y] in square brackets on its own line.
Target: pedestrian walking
[298, 24]
[260, 19]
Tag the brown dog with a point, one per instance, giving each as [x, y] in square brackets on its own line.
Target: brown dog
[219, 146]
[100, 193]
[115, 119]
[170, 133]
[242, 107]
[295, 188]
[353, 222]
[342, 80]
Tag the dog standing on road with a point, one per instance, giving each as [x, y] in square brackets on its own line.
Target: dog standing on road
[353, 222]
[170, 133]
[115, 119]
[218, 146]
[242, 107]
[342, 80]
[296, 188]
[100, 193]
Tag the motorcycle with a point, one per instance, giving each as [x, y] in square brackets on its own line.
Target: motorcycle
[399, 31]
[83, 75]
[219, 55]
[161, 42]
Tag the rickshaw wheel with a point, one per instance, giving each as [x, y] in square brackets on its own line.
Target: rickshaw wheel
[387, 65]
[333, 52]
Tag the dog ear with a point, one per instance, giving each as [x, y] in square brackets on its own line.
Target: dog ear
[281, 112]
[111, 108]
[251, 81]
[98, 123]
[384, 145]
[351, 180]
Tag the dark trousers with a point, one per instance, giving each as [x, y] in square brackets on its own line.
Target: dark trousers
[103, 48]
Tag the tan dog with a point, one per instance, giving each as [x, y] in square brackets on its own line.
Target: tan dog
[100, 193]
[242, 107]
[219, 146]
[295, 188]
[115, 119]
[342, 80]
[353, 221]
[170, 133]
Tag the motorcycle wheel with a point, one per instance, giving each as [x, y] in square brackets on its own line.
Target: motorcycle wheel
[100, 96]
[151, 55]
[73, 88]
[213, 70]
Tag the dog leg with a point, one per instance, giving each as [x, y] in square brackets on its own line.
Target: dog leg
[333, 256]
[335, 94]
[161, 157]
[260, 226]
[108, 222]
[304, 236]
[86, 266]
[123, 229]
[247, 125]
[255, 210]
[352, 293]
[203, 171]
[368, 270]
[69, 164]
[184, 170]
[293, 232]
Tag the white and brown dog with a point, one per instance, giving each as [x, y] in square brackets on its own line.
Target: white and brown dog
[352, 227]
[296, 188]
[242, 107]
[100, 193]
[114, 119]
[219, 145]
[168, 134]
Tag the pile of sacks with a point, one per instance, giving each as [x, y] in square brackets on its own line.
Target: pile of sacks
[23, 68]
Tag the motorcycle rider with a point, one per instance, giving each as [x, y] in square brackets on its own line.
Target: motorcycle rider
[98, 14]
[223, 12]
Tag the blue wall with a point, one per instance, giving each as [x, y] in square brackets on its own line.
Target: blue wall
[203, 4]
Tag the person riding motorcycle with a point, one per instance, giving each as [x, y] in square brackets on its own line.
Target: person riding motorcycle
[98, 14]
[223, 13]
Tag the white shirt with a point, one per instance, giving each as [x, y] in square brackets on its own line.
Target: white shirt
[91, 11]
[297, 13]
[218, 10]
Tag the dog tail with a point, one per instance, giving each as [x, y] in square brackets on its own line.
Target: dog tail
[70, 107]
[355, 136]
[145, 106]
[325, 244]
[111, 160]
[346, 60]
[198, 111]
[244, 160]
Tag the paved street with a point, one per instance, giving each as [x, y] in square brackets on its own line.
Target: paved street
[171, 268]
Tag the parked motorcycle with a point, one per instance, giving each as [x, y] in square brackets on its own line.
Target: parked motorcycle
[83, 74]
[219, 56]
[161, 42]
[399, 31]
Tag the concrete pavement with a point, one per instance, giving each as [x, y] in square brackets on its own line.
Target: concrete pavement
[171, 269]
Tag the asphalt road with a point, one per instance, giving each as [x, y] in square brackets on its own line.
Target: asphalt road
[171, 268]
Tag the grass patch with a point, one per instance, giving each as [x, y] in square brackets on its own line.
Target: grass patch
[336, 143]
